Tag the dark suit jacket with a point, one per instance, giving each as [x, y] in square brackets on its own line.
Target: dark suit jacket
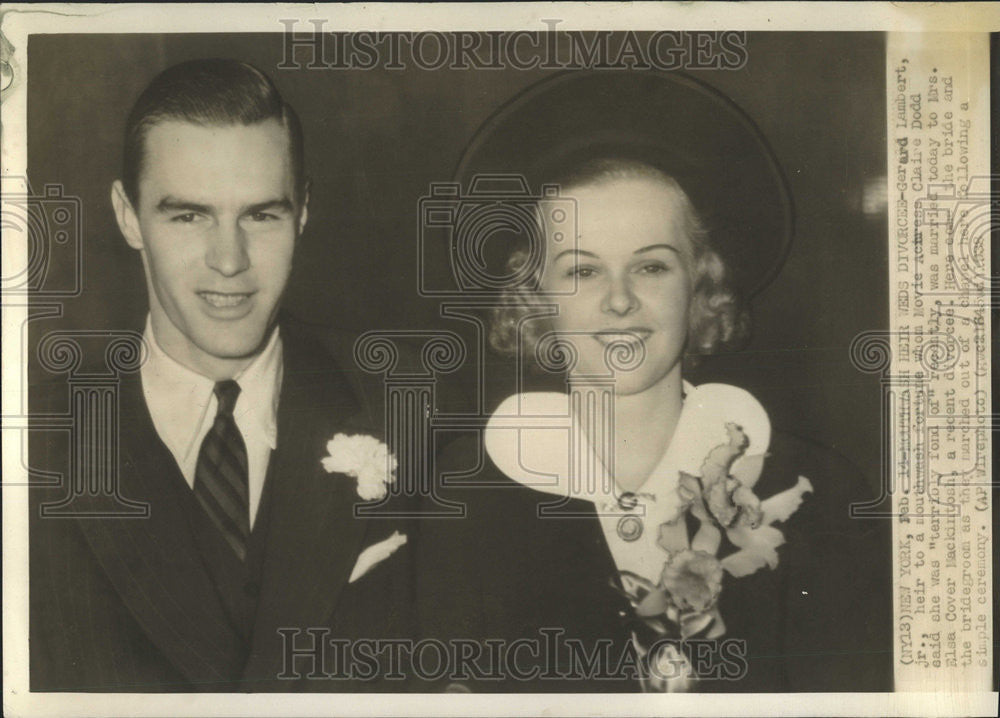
[126, 604]
[820, 621]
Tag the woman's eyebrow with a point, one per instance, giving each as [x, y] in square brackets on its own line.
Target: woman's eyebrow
[575, 251]
[651, 247]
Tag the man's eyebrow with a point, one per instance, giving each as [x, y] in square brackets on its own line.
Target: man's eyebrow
[283, 204]
[575, 251]
[652, 247]
[173, 204]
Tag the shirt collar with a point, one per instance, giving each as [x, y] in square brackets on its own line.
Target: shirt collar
[535, 439]
[181, 398]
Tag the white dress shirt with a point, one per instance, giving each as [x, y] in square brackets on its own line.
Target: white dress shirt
[182, 405]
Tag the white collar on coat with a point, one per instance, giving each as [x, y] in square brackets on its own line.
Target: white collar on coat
[538, 439]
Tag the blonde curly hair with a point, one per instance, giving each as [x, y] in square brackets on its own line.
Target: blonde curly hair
[718, 319]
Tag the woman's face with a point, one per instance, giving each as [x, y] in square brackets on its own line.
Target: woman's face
[626, 281]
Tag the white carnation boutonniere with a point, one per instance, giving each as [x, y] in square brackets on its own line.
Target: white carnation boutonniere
[365, 458]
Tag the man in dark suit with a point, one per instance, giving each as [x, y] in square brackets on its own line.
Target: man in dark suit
[251, 570]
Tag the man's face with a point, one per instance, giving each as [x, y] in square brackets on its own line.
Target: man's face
[216, 223]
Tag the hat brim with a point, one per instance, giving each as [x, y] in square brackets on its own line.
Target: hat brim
[671, 121]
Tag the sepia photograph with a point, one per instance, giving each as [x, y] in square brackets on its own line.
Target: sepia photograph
[534, 356]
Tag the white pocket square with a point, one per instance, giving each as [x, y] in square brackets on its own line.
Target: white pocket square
[375, 554]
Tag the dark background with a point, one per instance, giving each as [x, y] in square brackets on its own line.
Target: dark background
[376, 139]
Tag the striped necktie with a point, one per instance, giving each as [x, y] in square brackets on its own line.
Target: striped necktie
[221, 478]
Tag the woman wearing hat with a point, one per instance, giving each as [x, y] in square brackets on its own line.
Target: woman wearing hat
[632, 531]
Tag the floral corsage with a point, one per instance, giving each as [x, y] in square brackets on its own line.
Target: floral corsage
[683, 603]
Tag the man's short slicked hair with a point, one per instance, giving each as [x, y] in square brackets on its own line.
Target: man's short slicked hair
[209, 92]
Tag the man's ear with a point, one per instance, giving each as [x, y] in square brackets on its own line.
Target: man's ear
[128, 220]
[304, 209]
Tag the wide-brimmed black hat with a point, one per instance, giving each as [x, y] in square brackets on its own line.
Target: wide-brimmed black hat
[668, 120]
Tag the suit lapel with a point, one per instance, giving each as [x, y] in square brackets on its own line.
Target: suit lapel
[154, 563]
[313, 539]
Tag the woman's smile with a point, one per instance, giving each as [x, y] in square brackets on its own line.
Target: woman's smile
[631, 335]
